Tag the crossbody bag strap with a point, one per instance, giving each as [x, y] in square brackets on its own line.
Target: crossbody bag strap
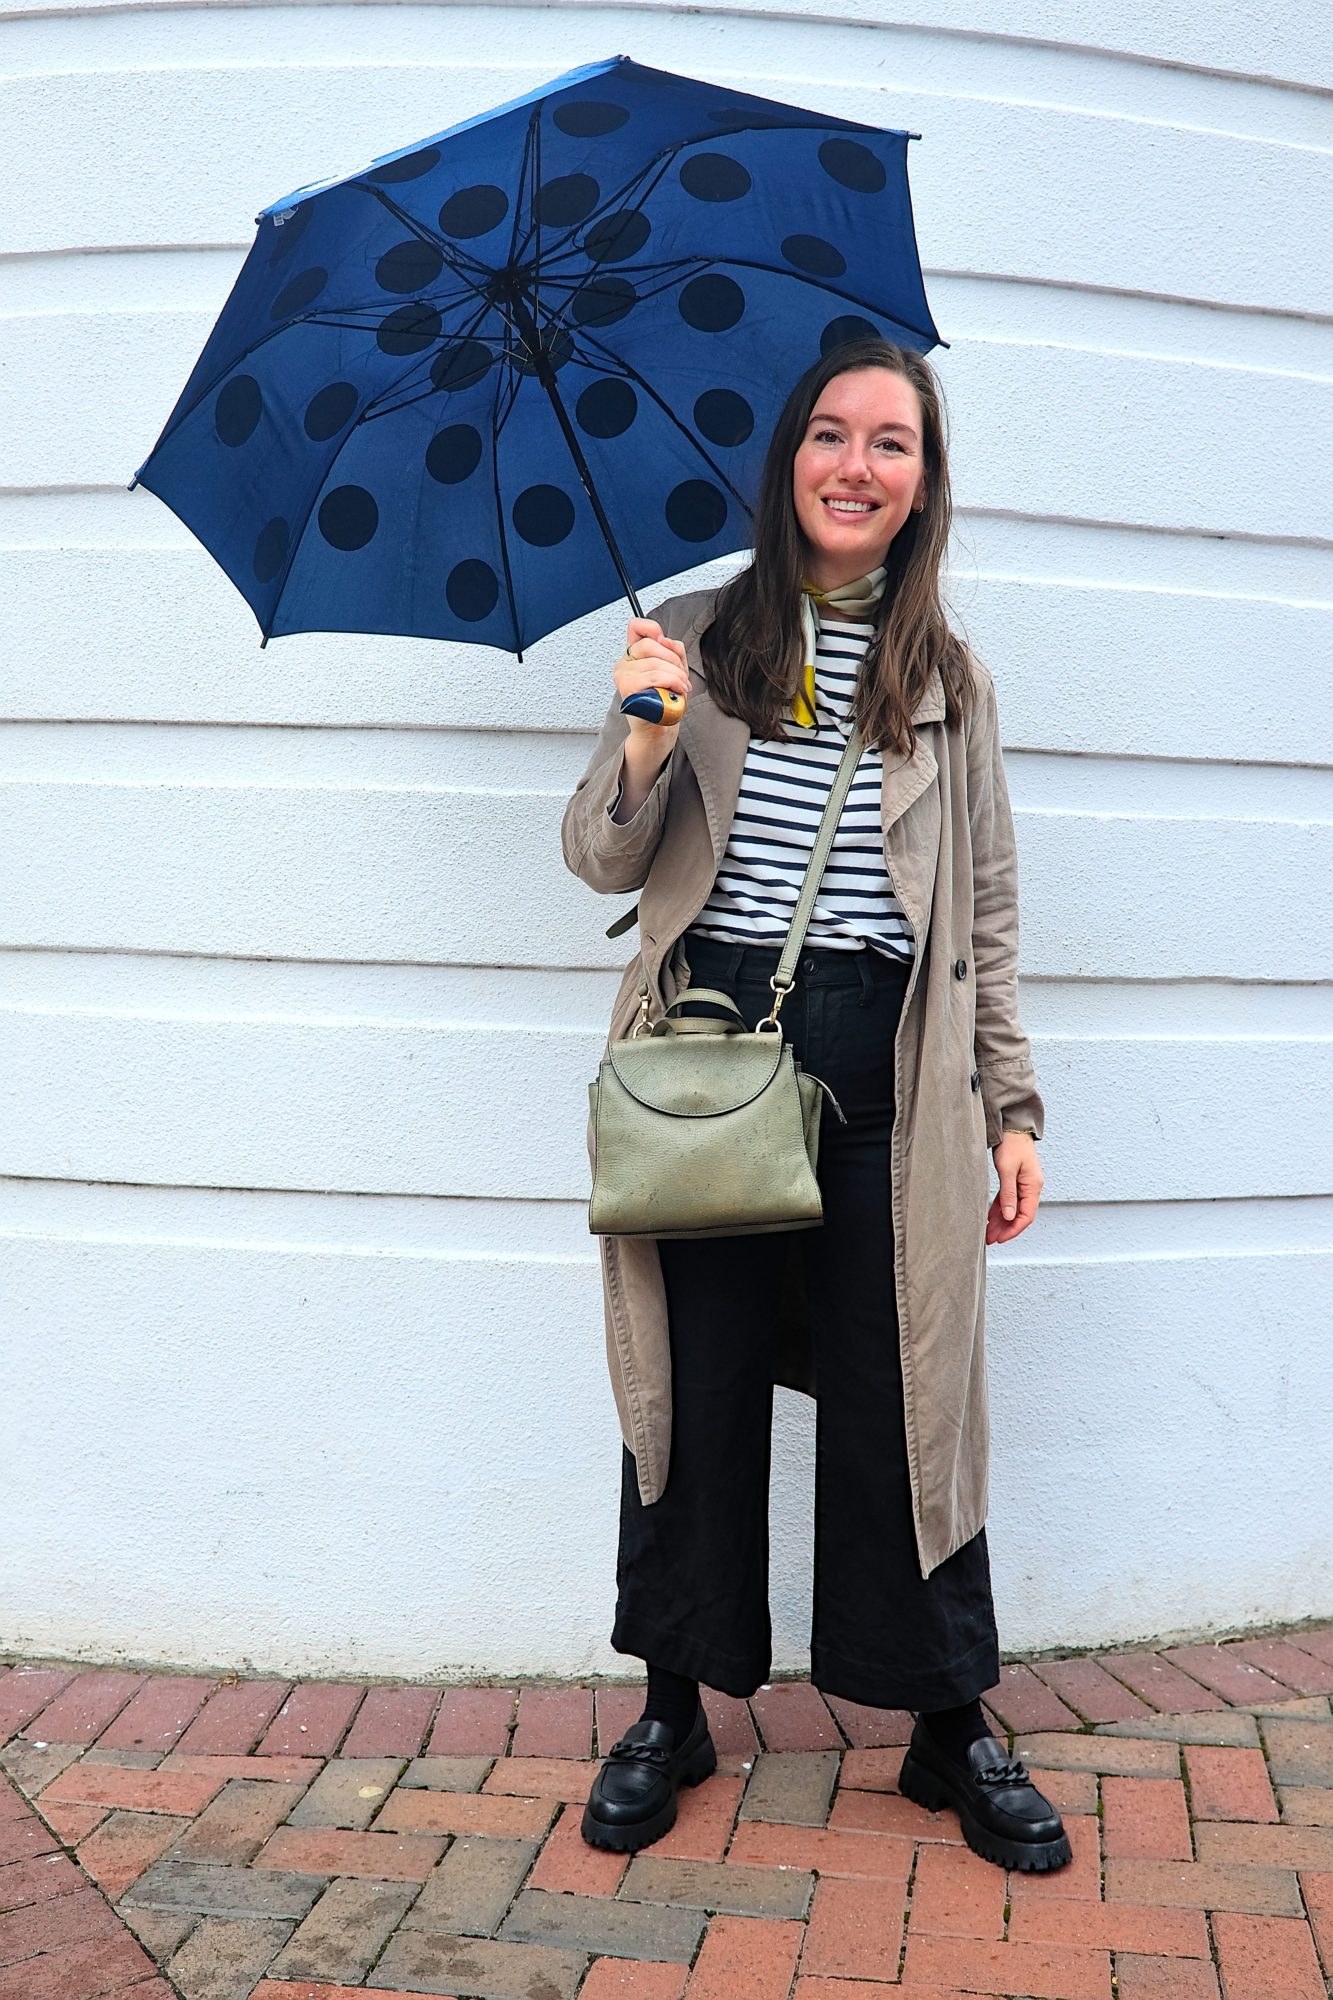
[784, 978]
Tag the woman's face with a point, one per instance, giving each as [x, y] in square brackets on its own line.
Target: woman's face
[863, 447]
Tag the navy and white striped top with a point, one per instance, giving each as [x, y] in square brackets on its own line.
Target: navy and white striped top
[783, 790]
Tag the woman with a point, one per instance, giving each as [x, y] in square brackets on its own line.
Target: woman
[905, 1004]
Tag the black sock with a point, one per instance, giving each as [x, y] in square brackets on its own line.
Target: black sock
[954, 1728]
[672, 1698]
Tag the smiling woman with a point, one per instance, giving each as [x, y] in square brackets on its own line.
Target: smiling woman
[858, 473]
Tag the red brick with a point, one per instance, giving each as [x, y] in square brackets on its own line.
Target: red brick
[276, 1770]
[124, 1845]
[1080, 1878]
[1198, 1885]
[1023, 1702]
[957, 1894]
[25, 1692]
[554, 1722]
[542, 1777]
[78, 1971]
[792, 1715]
[769, 1845]
[1266, 1958]
[1315, 1639]
[473, 1722]
[63, 1920]
[391, 1722]
[318, 1989]
[1160, 1683]
[568, 1865]
[614, 1709]
[632, 1979]
[23, 1838]
[1068, 1791]
[82, 1710]
[327, 1850]
[705, 1815]
[1287, 1662]
[890, 1813]
[233, 1719]
[730, 1724]
[1144, 1978]
[855, 1930]
[24, 1882]
[465, 1812]
[1265, 1846]
[1146, 1819]
[1228, 1784]
[871, 1728]
[313, 1720]
[184, 1792]
[870, 1770]
[1219, 1668]
[1090, 1690]
[1115, 1926]
[1127, 1756]
[1046, 1972]
[865, 1989]
[746, 1958]
[159, 1714]
[1307, 1805]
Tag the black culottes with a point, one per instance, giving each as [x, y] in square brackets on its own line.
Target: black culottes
[692, 1568]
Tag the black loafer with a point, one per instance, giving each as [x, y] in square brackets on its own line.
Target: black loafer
[633, 1796]
[1004, 1817]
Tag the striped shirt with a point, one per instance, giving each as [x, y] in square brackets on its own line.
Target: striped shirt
[783, 790]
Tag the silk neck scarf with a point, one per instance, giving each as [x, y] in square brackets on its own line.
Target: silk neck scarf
[858, 600]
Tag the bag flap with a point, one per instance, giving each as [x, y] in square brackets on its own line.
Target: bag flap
[697, 1076]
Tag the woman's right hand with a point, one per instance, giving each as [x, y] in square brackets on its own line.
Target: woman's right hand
[650, 660]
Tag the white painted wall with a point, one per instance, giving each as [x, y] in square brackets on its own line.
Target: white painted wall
[302, 1331]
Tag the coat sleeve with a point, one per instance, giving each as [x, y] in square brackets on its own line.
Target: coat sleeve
[609, 857]
[1009, 1091]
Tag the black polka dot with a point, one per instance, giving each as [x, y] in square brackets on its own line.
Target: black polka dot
[473, 211]
[286, 235]
[589, 118]
[604, 301]
[410, 168]
[712, 303]
[813, 254]
[327, 412]
[238, 409]
[695, 511]
[557, 345]
[606, 409]
[723, 417]
[472, 590]
[850, 326]
[453, 454]
[409, 266]
[615, 237]
[303, 290]
[348, 517]
[459, 364]
[852, 165]
[271, 549]
[714, 177]
[408, 330]
[560, 203]
[544, 515]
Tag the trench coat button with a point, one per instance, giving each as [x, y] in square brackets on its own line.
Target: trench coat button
[807, 965]
[960, 969]
[976, 1079]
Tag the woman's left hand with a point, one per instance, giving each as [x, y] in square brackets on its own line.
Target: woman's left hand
[1021, 1181]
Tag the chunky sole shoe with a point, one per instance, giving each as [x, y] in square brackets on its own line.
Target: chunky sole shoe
[1004, 1818]
[633, 1796]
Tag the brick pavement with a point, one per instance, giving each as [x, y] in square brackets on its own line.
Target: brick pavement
[173, 1837]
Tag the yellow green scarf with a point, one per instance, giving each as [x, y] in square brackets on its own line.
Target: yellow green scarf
[858, 599]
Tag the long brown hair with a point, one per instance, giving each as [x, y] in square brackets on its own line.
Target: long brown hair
[751, 650]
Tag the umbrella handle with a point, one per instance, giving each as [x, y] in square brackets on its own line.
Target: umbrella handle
[654, 705]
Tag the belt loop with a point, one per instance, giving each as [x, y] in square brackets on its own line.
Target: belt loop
[735, 959]
[867, 981]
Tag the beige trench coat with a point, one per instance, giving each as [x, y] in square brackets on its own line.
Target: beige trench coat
[962, 1061]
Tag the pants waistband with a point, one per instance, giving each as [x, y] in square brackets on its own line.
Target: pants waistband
[713, 959]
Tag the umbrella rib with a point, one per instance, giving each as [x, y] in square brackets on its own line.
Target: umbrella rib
[455, 257]
[372, 409]
[835, 291]
[506, 364]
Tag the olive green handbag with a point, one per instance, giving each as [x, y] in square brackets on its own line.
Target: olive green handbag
[702, 1127]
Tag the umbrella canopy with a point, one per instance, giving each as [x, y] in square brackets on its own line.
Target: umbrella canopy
[486, 384]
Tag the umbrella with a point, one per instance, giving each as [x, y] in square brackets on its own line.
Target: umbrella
[484, 385]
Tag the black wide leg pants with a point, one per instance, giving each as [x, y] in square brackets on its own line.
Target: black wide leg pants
[692, 1568]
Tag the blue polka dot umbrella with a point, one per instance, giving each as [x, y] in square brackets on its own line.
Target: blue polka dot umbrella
[490, 383]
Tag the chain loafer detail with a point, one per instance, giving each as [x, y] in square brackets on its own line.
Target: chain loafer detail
[1004, 1817]
[633, 1796]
